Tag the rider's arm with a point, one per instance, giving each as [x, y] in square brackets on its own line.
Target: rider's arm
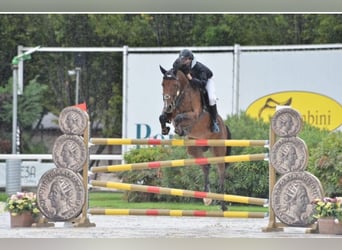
[200, 80]
[200, 75]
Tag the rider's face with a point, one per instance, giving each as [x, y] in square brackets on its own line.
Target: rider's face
[185, 61]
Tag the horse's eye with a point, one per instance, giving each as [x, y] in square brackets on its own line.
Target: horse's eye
[166, 97]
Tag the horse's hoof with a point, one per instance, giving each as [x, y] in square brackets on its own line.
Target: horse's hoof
[166, 130]
[207, 201]
[224, 208]
[179, 132]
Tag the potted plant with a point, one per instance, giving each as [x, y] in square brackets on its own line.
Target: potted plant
[328, 212]
[23, 209]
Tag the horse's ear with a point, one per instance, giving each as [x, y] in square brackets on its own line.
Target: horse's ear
[162, 69]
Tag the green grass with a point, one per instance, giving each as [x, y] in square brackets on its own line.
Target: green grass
[115, 200]
[3, 196]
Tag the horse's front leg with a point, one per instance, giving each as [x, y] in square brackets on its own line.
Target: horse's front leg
[163, 119]
[184, 121]
[186, 116]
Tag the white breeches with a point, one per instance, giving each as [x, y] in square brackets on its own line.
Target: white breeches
[210, 87]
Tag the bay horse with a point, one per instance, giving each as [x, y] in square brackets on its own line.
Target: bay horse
[185, 109]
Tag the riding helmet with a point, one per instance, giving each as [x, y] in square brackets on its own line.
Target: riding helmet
[186, 53]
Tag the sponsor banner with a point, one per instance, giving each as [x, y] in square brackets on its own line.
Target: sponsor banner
[316, 109]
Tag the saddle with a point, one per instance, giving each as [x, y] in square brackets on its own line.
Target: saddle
[204, 98]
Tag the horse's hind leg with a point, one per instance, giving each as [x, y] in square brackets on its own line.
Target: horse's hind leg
[205, 169]
[222, 177]
[197, 152]
[221, 170]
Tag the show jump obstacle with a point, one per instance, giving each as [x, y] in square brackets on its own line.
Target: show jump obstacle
[71, 156]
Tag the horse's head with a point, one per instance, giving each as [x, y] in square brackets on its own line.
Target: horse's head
[172, 89]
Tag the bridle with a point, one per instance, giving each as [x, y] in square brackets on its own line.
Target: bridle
[169, 108]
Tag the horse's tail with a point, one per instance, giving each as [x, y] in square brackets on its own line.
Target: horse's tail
[229, 136]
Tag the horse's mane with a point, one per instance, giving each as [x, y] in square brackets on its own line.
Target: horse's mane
[183, 80]
[181, 76]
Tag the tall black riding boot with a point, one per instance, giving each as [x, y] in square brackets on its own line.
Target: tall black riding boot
[213, 114]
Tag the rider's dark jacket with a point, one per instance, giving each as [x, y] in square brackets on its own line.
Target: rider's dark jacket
[199, 72]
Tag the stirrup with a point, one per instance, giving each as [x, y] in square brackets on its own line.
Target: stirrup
[215, 128]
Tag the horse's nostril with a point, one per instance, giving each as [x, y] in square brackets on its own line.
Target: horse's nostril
[168, 108]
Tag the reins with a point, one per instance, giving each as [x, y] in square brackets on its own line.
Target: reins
[178, 99]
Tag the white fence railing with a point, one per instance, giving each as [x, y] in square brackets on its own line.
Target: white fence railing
[49, 157]
[32, 167]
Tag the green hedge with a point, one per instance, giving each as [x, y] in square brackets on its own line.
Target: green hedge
[326, 163]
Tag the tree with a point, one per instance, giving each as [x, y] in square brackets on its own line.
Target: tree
[101, 73]
[30, 108]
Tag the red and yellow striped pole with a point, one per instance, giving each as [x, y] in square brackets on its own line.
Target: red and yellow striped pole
[179, 142]
[180, 192]
[179, 213]
[179, 163]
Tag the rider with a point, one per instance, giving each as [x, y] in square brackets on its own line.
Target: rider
[201, 76]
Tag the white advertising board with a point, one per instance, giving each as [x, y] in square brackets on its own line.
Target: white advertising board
[31, 172]
[265, 72]
[258, 73]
